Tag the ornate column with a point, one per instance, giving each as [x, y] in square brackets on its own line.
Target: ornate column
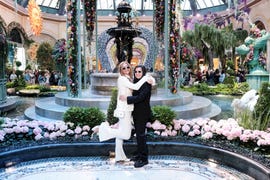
[268, 57]
[3, 57]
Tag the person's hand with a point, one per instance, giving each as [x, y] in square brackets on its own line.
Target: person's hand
[150, 79]
[123, 98]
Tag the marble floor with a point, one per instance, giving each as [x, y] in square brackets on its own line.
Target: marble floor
[104, 168]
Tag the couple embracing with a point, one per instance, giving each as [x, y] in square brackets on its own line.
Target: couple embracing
[133, 105]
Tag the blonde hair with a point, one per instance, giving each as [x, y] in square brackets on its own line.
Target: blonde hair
[121, 66]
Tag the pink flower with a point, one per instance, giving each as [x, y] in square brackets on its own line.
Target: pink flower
[164, 133]
[148, 125]
[197, 131]
[156, 125]
[84, 133]
[174, 133]
[37, 130]
[70, 132]
[46, 135]
[86, 128]
[38, 137]
[196, 126]
[78, 130]
[191, 133]
[244, 138]
[206, 128]
[207, 135]
[186, 128]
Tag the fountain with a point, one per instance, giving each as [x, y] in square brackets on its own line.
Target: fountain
[183, 103]
[124, 33]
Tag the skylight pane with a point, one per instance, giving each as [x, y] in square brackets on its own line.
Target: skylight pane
[217, 2]
[105, 4]
[137, 4]
[39, 2]
[148, 4]
[46, 3]
[185, 5]
[53, 3]
[203, 4]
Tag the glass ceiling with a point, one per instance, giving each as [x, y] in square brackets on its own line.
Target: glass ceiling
[53, 6]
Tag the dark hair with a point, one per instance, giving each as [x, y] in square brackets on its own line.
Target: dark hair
[143, 72]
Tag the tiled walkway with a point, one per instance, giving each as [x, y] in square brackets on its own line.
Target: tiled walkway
[103, 168]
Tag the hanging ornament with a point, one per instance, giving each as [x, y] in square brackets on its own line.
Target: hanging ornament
[35, 17]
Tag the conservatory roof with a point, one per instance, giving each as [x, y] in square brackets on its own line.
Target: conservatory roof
[58, 6]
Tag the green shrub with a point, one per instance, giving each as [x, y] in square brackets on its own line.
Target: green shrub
[36, 86]
[112, 106]
[44, 88]
[10, 85]
[164, 114]
[84, 116]
[261, 110]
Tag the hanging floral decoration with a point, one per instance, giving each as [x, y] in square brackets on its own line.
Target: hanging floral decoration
[90, 17]
[174, 43]
[35, 17]
[59, 53]
[159, 18]
[72, 47]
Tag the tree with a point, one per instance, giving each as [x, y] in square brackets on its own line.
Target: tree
[211, 41]
[44, 56]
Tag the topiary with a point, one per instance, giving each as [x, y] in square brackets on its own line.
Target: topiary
[84, 116]
[112, 106]
[164, 114]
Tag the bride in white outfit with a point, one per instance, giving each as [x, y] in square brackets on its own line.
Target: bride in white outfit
[123, 132]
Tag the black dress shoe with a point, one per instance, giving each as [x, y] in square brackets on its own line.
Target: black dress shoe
[134, 158]
[140, 163]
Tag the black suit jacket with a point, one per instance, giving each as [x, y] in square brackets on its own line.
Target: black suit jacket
[141, 101]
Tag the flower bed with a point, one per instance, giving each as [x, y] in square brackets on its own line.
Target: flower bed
[225, 134]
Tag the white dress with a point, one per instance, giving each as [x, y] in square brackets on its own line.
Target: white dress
[123, 131]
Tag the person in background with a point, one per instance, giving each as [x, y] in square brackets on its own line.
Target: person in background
[123, 112]
[13, 76]
[141, 115]
[222, 76]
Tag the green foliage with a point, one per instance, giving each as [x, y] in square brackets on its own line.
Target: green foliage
[10, 85]
[1, 121]
[225, 88]
[164, 114]
[44, 57]
[229, 80]
[36, 86]
[18, 63]
[112, 106]
[28, 67]
[261, 111]
[44, 88]
[84, 116]
[19, 83]
[218, 39]
[239, 88]
[245, 119]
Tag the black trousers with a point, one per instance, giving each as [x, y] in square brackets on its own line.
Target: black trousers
[142, 149]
